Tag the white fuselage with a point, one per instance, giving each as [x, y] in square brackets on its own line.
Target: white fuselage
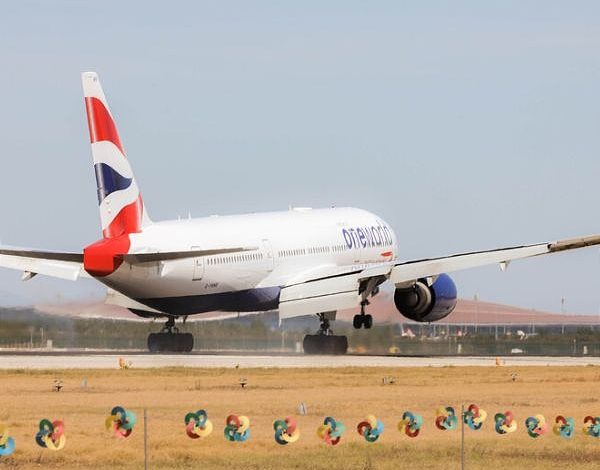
[283, 248]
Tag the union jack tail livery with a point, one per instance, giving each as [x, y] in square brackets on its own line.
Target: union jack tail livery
[121, 208]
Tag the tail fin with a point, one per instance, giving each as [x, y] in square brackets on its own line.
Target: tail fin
[121, 207]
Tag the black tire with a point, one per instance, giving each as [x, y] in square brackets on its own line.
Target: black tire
[341, 345]
[368, 321]
[170, 342]
[177, 343]
[357, 322]
[186, 342]
[325, 344]
[334, 345]
[311, 344]
[154, 343]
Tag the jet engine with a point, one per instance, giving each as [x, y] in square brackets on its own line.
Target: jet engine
[427, 303]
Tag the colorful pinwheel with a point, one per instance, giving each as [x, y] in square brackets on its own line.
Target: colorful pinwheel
[371, 428]
[197, 424]
[410, 424]
[286, 431]
[51, 435]
[331, 431]
[446, 419]
[7, 443]
[591, 426]
[237, 428]
[505, 422]
[536, 426]
[474, 417]
[120, 421]
[564, 427]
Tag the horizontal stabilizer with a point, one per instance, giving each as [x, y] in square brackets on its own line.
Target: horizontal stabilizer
[48, 255]
[50, 263]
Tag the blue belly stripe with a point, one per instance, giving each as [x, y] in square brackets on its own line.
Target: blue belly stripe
[250, 300]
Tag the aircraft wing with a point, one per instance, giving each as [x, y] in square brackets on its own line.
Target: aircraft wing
[413, 270]
[50, 263]
[343, 289]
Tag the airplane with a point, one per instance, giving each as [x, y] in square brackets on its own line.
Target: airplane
[300, 262]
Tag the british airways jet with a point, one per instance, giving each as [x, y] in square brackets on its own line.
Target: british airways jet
[299, 262]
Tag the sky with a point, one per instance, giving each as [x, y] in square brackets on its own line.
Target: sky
[466, 125]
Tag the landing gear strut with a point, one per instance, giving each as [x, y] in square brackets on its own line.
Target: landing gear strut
[362, 319]
[325, 342]
[170, 339]
[368, 288]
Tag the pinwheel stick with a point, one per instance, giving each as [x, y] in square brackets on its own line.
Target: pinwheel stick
[462, 437]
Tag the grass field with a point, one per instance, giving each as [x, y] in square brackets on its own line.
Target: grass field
[347, 394]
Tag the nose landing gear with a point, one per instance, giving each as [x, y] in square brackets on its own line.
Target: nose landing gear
[170, 339]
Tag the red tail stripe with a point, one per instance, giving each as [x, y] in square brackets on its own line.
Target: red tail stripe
[128, 220]
[103, 257]
[100, 123]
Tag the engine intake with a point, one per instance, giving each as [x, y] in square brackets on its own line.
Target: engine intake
[424, 303]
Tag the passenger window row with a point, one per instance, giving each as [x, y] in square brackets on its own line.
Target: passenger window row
[315, 250]
[234, 258]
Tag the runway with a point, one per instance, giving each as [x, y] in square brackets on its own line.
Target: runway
[135, 360]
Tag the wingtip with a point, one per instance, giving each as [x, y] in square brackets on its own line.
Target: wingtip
[574, 243]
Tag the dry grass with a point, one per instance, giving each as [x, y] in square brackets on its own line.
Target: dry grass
[347, 394]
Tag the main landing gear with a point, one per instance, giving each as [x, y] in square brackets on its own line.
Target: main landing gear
[170, 339]
[362, 319]
[325, 342]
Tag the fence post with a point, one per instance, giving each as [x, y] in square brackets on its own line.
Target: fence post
[145, 440]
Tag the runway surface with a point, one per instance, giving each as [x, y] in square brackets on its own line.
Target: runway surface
[111, 361]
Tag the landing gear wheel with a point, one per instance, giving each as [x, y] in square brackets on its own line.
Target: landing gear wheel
[170, 342]
[362, 320]
[186, 342]
[311, 344]
[154, 343]
[170, 339]
[341, 344]
[325, 344]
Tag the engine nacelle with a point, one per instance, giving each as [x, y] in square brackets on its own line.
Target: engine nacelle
[424, 303]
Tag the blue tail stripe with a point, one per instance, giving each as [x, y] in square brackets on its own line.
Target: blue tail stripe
[108, 180]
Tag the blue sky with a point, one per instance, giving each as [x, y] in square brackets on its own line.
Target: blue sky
[466, 125]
